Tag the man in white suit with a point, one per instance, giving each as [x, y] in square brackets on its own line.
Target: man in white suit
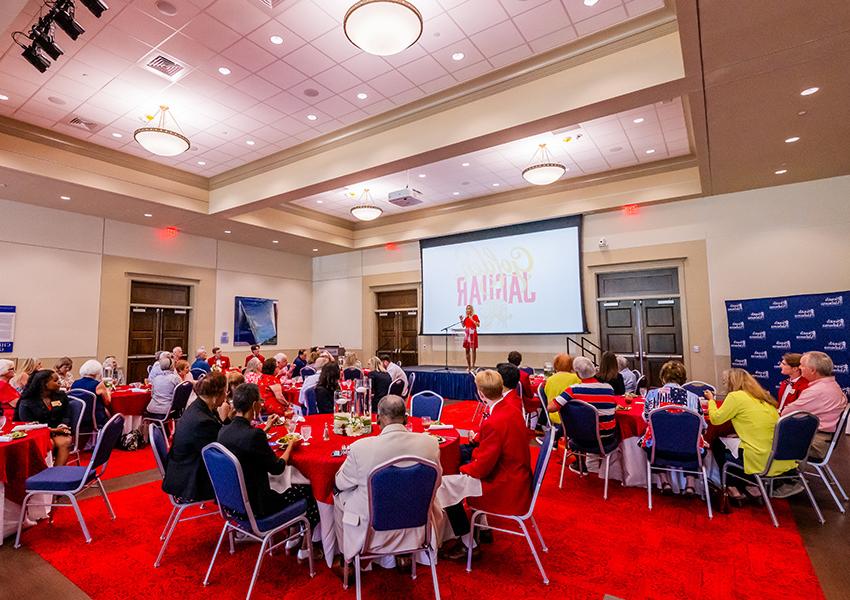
[351, 504]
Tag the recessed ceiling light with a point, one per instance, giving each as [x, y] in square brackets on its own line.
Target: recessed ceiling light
[276, 40]
[224, 70]
[227, 231]
[801, 113]
[166, 8]
[116, 135]
[320, 201]
[590, 2]
[780, 172]
[464, 164]
[651, 151]
[496, 185]
[455, 193]
[148, 215]
[362, 96]
[422, 176]
[275, 242]
[4, 97]
[250, 142]
[638, 120]
[809, 91]
[315, 249]
[202, 162]
[312, 117]
[56, 100]
[458, 56]
[792, 139]
[64, 197]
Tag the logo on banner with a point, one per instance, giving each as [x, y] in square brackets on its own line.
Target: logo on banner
[736, 307]
[842, 345]
[758, 335]
[739, 362]
[777, 304]
[780, 325]
[759, 354]
[738, 344]
[841, 369]
[808, 313]
[736, 325]
[756, 316]
[782, 345]
[762, 374]
[833, 324]
[807, 335]
[833, 301]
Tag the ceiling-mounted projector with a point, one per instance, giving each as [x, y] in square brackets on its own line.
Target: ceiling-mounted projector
[405, 197]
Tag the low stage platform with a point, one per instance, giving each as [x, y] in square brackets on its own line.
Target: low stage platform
[454, 384]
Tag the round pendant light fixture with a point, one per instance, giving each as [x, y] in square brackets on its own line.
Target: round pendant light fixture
[160, 139]
[383, 27]
[366, 210]
[543, 169]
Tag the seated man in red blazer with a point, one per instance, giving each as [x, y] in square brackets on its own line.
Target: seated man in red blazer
[219, 360]
[790, 388]
[502, 460]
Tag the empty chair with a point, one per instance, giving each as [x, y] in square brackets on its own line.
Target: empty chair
[396, 387]
[77, 410]
[427, 404]
[822, 468]
[536, 481]
[181, 398]
[699, 388]
[791, 440]
[400, 498]
[352, 373]
[676, 432]
[581, 424]
[307, 371]
[235, 508]
[70, 481]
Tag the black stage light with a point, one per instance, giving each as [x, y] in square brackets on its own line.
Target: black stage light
[42, 35]
[95, 6]
[36, 58]
[64, 18]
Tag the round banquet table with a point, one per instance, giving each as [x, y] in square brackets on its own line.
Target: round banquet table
[20, 459]
[130, 402]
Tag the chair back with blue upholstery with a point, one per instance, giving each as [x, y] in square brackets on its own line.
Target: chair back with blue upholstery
[426, 404]
[90, 400]
[675, 437]
[699, 388]
[229, 486]
[198, 374]
[159, 445]
[528, 370]
[180, 398]
[107, 439]
[580, 420]
[310, 398]
[401, 492]
[540, 466]
[307, 371]
[541, 393]
[792, 437]
[396, 388]
[77, 409]
[352, 373]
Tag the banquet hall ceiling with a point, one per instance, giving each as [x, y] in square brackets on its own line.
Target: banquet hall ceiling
[717, 85]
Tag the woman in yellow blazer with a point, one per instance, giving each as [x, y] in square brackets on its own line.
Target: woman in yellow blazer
[753, 413]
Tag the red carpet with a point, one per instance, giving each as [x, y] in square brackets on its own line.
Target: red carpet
[123, 463]
[596, 547]
[459, 413]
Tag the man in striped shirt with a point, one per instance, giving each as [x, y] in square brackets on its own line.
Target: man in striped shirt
[592, 391]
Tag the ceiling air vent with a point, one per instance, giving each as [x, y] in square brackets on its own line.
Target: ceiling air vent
[165, 66]
[84, 124]
[271, 3]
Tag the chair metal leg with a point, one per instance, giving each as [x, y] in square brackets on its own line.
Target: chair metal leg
[473, 522]
[357, 575]
[563, 466]
[106, 498]
[80, 518]
[174, 522]
[812, 499]
[837, 483]
[539, 536]
[413, 566]
[432, 556]
[707, 494]
[767, 503]
[828, 485]
[649, 485]
[231, 537]
[533, 551]
[224, 531]
[344, 573]
[167, 523]
[308, 535]
[21, 519]
[607, 466]
[257, 566]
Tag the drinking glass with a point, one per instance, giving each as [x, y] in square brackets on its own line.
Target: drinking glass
[426, 422]
[306, 433]
[291, 425]
[2, 422]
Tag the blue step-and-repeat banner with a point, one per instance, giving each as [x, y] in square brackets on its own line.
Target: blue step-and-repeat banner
[761, 330]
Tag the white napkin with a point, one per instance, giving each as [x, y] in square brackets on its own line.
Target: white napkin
[5, 438]
[435, 427]
[29, 426]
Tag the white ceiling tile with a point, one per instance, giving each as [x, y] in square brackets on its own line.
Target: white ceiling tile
[422, 70]
[511, 56]
[249, 55]
[235, 99]
[471, 18]
[335, 45]
[327, 125]
[286, 103]
[336, 106]
[46, 110]
[473, 71]
[243, 17]
[292, 125]
[366, 66]
[210, 32]
[85, 75]
[542, 20]
[337, 79]
[471, 55]
[415, 52]
[553, 40]
[639, 7]
[390, 84]
[262, 37]
[244, 123]
[308, 60]
[498, 38]
[439, 32]
[186, 11]
[376, 108]
[372, 95]
[602, 21]
[579, 11]
[515, 7]
[439, 84]
[282, 74]
[264, 113]
[306, 91]
[140, 26]
[198, 82]
[258, 87]
[353, 117]
[115, 42]
[306, 19]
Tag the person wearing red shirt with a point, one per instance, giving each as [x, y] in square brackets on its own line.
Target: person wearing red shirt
[789, 389]
[271, 391]
[470, 323]
[219, 360]
[255, 353]
[8, 394]
[529, 397]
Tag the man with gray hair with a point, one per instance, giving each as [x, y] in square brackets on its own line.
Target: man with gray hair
[351, 504]
[629, 378]
[162, 387]
[156, 370]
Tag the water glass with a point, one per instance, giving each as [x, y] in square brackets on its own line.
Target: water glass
[426, 422]
[306, 433]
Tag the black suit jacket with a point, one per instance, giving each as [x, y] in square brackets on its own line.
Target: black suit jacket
[185, 474]
[251, 447]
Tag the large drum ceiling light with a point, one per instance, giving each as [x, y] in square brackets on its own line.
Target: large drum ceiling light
[543, 170]
[383, 27]
[160, 139]
[366, 209]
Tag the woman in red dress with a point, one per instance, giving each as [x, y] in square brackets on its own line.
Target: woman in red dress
[470, 323]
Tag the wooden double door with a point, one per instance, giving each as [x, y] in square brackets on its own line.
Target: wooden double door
[159, 320]
[398, 326]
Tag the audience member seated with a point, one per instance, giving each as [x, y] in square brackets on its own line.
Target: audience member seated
[185, 474]
[312, 358]
[609, 372]
[380, 379]
[328, 384]
[219, 360]
[251, 448]
[312, 381]
[510, 381]
[255, 353]
[283, 369]
[162, 389]
[43, 402]
[753, 414]
[529, 396]
[502, 461]
[201, 360]
[112, 371]
[23, 373]
[253, 368]
[234, 380]
[177, 354]
[673, 376]
[156, 370]
[351, 504]
[181, 367]
[271, 391]
[561, 379]
[299, 362]
[63, 368]
[630, 380]
[790, 388]
[90, 375]
[350, 361]
[822, 397]
[8, 394]
[395, 371]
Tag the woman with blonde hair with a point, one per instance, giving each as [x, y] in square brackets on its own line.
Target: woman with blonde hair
[24, 370]
[380, 379]
[752, 411]
[63, 368]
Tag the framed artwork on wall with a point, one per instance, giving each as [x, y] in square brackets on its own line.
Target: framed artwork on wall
[254, 321]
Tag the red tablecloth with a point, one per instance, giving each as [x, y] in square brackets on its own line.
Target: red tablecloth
[291, 394]
[20, 459]
[127, 401]
[316, 463]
